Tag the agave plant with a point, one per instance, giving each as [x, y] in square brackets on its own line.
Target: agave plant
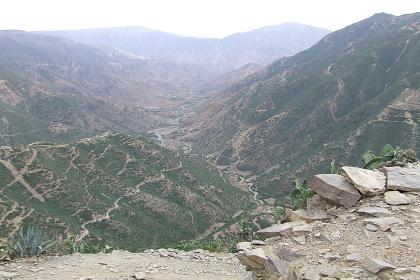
[30, 242]
[300, 194]
[388, 156]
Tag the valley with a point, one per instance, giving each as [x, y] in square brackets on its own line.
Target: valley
[132, 138]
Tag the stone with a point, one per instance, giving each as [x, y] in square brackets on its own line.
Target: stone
[371, 227]
[316, 203]
[354, 257]
[376, 265]
[403, 179]
[284, 229]
[258, 243]
[375, 211]
[384, 223]
[300, 239]
[335, 189]
[305, 228]
[331, 236]
[7, 275]
[277, 267]
[255, 258]
[287, 254]
[140, 276]
[242, 246]
[309, 216]
[368, 182]
[396, 198]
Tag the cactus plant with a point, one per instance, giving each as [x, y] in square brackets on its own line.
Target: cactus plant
[388, 156]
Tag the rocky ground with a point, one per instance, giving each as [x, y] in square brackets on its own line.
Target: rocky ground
[154, 265]
[374, 237]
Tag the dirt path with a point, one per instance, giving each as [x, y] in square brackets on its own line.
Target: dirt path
[85, 232]
[155, 265]
[18, 175]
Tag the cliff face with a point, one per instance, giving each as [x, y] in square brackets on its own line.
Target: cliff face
[356, 89]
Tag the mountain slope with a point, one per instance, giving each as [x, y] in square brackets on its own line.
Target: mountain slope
[117, 189]
[260, 46]
[54, 89]
[356, 89]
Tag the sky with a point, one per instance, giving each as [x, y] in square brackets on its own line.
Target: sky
[198, 18]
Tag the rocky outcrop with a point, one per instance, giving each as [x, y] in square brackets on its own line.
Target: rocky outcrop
[344, 234]
[335, 189]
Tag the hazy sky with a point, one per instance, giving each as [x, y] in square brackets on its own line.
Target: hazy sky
[201, 18]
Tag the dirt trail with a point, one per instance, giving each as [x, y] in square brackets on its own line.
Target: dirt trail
[18, 175]
[156, 265]
[85, 232]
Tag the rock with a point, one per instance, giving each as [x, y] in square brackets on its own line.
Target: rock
[300, 239]
[258, 243]
[308, 216]
[316, 203]
[276, 267]
[140, 276]
[255, 258]
[375, 211]
[403, 179]
[396, 198]
[371, 227]
[335, 189]
[287, 255]
[305, 228]
[368, 182]
[285, 229]
[376, 265]
[331, 236]
[7, 275]
[384, 223]
[354, 257]
[242, 246]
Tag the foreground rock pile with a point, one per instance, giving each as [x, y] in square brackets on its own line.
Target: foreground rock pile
[363, 224]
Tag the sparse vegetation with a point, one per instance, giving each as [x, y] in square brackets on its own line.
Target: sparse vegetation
[30, 242]
[300, 193]
[388, 156]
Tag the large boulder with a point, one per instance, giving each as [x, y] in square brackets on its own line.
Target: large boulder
[403, 179]
[335, 189]
[368, 182]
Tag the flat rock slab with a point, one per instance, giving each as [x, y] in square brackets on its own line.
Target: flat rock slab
[375, 211]
[384, 223]
[376, 265]
[335, 189]
[403, 179]
[285, 229]
[309, 216]
[368, 182]
[396, 198]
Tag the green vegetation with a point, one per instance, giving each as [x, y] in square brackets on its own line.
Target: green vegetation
[300, 193]
[113, 191]
[388, 156]
[30, 242]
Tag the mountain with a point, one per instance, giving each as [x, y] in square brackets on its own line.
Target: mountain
[260, 46]
[115, 189]
[54, 89]
[356, 89]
